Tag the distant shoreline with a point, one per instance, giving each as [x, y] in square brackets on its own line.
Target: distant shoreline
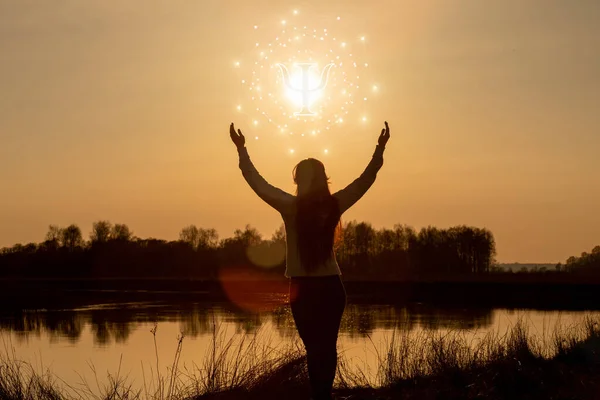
[482, 291]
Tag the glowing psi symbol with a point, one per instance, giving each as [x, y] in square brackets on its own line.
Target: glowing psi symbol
[306, 89]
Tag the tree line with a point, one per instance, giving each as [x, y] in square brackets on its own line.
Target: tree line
[112, 250]
[363, 252]
[586, 264]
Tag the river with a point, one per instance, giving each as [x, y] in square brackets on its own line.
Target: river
[84, 342]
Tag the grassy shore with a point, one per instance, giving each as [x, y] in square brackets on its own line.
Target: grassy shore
[564, 364]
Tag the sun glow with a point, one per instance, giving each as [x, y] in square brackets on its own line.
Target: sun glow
[304, 80]
[296, 81]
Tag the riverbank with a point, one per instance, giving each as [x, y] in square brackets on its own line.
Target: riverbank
[564, 364]
[493, 291]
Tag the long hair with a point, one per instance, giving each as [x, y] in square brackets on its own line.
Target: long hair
[317, 213]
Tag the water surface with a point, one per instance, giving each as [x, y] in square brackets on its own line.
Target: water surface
[73, 342]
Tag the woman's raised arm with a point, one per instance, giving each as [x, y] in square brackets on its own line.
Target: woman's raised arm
[354, 191]
[275, 197]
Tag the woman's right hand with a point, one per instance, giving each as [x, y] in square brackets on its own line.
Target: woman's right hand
[237, 137]
[384, 137]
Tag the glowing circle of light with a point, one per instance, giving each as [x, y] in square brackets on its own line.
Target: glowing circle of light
[293, 41]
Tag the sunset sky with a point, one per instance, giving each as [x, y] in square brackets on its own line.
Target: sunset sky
[120, 110]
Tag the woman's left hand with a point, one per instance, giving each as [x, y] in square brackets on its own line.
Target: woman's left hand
[384, 137]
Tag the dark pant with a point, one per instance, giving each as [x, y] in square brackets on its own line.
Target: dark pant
[317, 306]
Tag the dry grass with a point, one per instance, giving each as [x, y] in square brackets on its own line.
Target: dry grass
[424, 366]
[20, 381]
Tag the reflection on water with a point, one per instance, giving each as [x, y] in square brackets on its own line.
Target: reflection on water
[114, 323]
[116, 335]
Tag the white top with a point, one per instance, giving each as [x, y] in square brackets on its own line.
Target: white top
[285, 203]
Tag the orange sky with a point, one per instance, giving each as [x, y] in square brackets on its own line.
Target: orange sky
[120, 111]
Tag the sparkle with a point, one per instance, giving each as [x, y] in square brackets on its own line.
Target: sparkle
[282, 43]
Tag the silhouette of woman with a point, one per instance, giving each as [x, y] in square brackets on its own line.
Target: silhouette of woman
[317, 294]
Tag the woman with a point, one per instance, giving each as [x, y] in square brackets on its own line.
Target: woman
[317, 295]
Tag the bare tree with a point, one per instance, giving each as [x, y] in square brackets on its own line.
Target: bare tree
[207, 238]
[190, 235]
[121, 232]
[71, 237]
[54, 234]
[249, 236]
[279, 234]
[101, 232]
[199, 238]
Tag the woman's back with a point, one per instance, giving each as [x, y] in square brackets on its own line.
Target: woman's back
[300, 219]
